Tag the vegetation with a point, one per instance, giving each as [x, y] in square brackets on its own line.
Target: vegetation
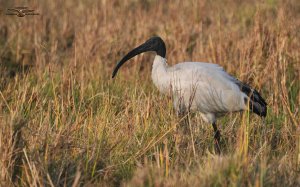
[65, 122]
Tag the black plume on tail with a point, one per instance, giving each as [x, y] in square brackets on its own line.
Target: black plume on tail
[256, 104]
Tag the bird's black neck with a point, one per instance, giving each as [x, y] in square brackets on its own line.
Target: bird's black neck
[160, 47]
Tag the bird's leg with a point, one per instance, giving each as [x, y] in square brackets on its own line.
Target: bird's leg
[217, 138]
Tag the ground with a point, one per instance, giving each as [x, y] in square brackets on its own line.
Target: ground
[65, 122]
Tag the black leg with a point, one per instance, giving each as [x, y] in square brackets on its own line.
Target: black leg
[217, 138]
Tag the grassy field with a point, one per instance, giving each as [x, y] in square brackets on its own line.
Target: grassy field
[65, 122]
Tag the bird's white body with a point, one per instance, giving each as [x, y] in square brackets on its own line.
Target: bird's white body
[198, 86]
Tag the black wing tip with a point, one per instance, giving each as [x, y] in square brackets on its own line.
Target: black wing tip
[264, 114]
[258, 108]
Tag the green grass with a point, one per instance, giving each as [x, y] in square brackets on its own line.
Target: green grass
[65, 122]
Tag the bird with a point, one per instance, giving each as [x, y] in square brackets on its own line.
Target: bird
[200, 87]
[20, 11]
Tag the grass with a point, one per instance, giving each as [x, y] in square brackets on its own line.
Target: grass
[65, 122]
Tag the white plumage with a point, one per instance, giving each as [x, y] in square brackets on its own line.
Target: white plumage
[199, 87]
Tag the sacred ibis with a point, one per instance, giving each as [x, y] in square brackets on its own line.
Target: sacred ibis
[198, 86]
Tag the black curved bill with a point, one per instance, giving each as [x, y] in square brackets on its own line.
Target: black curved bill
[147, 46]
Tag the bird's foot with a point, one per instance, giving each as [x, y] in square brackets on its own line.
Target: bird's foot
[217, 135]
[217, 138]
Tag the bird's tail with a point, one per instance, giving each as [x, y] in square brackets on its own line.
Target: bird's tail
[259, 107]
[256, 103]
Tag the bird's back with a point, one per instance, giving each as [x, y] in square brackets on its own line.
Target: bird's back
[205, 87]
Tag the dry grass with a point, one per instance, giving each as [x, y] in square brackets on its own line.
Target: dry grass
[65, 122]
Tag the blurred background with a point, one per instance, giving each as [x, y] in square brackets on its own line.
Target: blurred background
[65, 122]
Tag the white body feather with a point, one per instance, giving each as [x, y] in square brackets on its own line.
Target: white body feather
[198, 86]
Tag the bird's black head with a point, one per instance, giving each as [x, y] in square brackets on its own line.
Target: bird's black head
[155, 44]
